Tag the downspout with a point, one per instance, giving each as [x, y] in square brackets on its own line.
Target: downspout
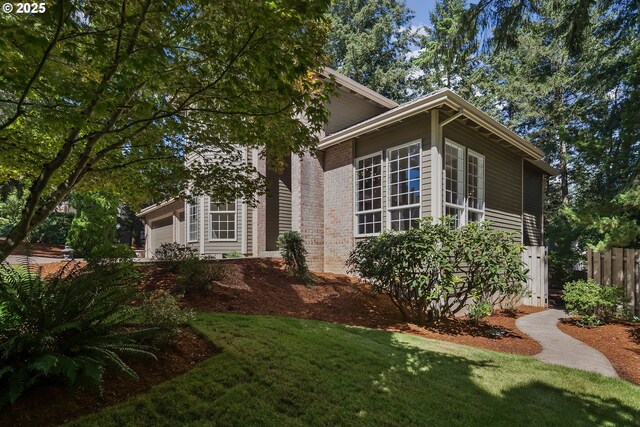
[437, 169]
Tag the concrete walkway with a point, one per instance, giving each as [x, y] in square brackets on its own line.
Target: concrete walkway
[560, 348]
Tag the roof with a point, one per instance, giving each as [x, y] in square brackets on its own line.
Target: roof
[355, 87]
[155, 207]
[439, 98]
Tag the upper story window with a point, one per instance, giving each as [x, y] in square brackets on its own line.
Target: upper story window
[464, 184]
[404, 186]
[192, 222]
[222, 218]
[369, 194]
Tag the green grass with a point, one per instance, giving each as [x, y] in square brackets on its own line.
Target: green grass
[282, 371]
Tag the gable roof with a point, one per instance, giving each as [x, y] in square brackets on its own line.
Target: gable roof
[437, 99]
[355, 87]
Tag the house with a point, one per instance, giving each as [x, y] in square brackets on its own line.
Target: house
[379, 166]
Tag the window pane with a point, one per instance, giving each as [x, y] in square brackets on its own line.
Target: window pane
[404, 219]
[369, 223]
[404, 176]
[475, 181]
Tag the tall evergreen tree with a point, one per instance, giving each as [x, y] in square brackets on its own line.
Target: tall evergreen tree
[447, 51]
[370, 41]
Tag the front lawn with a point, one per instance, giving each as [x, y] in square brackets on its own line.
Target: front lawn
[286, 371]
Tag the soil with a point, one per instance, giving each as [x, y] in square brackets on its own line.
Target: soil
[619, 342]
[48, 405]
[263, 286]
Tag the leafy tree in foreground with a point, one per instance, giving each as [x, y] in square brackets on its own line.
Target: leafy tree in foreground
[370, 40]
[112, 96]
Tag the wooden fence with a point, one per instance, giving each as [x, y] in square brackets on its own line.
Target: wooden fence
[535, 258]
[620, 267]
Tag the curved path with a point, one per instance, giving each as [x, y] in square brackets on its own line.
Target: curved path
[560, 348]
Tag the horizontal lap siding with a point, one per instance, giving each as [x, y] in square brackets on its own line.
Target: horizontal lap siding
[249, 212]
[532, 206]
[503, 177]
[347, 109]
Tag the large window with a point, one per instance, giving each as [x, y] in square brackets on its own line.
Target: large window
[464, 184]
[404, 186]
[192, 222]
[222, 220]
[369, 195]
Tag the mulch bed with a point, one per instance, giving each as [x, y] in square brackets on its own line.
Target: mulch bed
[619, 342]
[263, 286]
[48, 405]
[39, 250]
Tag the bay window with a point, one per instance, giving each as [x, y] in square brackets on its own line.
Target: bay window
[192, 222]
[404, 186]
[464, 184]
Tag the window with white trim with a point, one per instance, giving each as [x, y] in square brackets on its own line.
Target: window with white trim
[222, 220]
[369, 195]
[192, 222]
[404, 186]
[464, 184]
[475, 186]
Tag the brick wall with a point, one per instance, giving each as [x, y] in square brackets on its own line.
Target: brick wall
[307, 181]
[338, 206]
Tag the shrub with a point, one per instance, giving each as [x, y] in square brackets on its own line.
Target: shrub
[196, 275]
[162, 313]
[171, 255]
[479, 310]
[67, 328]
[294, 254]
[433, 270]
[594, 304]
[95, 223]
[53, 230]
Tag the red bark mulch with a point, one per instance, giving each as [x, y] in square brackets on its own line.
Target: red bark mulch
[48, 405]
[263, 286]
[619, 342]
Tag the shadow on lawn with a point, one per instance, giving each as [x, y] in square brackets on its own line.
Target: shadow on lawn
[458, 383]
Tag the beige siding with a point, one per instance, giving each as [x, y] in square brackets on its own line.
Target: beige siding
[418, 127]
[347, 109]
[503, 171]
[249, 212]
[278, 206]
[532, 206]
[162, 230]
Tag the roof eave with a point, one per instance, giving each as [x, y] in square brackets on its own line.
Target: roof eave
[435, 100]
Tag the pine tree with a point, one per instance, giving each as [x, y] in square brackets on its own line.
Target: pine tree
[370, 41]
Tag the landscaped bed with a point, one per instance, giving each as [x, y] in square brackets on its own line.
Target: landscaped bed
[263, 286]
[619, 342]
[286, 371]
[48, 405]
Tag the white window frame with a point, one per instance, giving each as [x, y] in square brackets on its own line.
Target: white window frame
[355, 196]
[464, 218]
[481, 186]
[188, 221]
[235, 222]
[388, 207]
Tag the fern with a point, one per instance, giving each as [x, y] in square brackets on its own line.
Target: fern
[69, 327]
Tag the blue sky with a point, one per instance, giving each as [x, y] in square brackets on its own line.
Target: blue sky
[421, 9]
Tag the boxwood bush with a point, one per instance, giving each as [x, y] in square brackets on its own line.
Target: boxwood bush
[435, 269]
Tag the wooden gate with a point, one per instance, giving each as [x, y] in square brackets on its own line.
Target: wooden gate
[620, 267]
[535, 258]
